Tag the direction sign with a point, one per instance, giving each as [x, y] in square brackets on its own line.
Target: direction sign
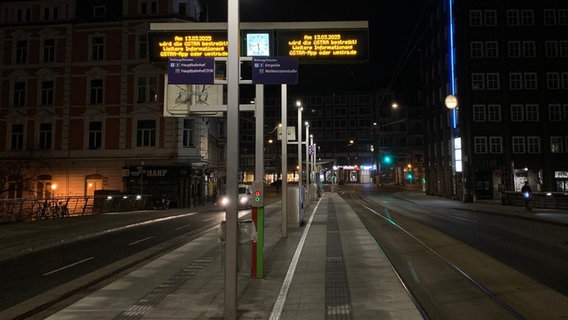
[191, 71]
[274, 70]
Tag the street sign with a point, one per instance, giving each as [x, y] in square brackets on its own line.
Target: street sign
[274, 70]
[191, 70]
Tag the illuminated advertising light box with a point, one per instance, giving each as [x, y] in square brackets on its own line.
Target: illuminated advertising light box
[324, 46]
[163, 45]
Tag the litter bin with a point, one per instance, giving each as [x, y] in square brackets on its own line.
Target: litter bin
[245, 236]
[295, 206]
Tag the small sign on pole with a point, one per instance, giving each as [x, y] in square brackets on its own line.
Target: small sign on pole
[191, 71]
[275, 70]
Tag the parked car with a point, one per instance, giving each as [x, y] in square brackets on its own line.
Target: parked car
[244, 196]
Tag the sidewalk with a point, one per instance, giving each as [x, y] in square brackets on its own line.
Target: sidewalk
[329, 267]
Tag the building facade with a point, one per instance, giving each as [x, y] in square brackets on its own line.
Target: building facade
[352, 132]
[81, 108]
[506, 63]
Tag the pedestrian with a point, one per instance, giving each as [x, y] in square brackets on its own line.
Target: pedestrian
[526, 192]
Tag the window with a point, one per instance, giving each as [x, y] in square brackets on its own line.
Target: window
[476, 49]
[187, 134]
[475, 18]
[529, 49]
[527, 17]
[97, 48]
[491, 49]
[530, 80]
[142, 46]
[533, 144]
[490, 18]
[495, 144]
[517, 113]
[494, 112]
[21, 52]
[47, 93]
[477, 81]
[514, 49]
[553, 80]
[95, 135]
[551, 49]
[549, 17]
[96, 91]
[17, 141]
[478, 112]
[147, 89]
[554, 112]
[492, 81]
[480, 144]
[45, 136]
[563, 48]
[99, 11]
[48, 50]
[518, 144]
[146, 133]
[532, 112]
[556, 145]
[563, 17]
[513, 18]
[564, 80]
[148, 7]
[515, 81]
[19, 98]
[24, 15]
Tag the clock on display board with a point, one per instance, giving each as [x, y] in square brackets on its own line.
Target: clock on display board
[258, 44]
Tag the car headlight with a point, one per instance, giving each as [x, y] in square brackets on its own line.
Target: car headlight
[244, 200]
[224, 201]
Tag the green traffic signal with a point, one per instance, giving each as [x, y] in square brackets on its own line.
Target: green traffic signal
[387, 159]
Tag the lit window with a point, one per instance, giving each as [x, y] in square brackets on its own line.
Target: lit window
[556, 145]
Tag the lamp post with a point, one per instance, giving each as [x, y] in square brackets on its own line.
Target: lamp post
[300, 109]
[308, 172]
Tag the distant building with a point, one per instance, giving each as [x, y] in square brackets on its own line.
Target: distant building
[352, 131]
[507, 65]
[81, 106]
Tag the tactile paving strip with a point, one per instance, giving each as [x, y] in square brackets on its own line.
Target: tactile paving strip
[150, 300]
[337, 294]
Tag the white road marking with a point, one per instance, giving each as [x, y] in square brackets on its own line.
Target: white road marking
[141, 240]
[67, 266]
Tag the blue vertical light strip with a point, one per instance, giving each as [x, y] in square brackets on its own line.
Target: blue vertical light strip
[452, 58]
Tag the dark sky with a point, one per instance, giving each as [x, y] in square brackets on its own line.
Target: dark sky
[391, 29]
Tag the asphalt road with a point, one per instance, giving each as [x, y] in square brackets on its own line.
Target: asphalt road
[29, 275]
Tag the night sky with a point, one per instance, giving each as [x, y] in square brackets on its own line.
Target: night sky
[393, 59]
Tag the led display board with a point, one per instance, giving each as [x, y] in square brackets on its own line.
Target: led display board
[326, 42]
[163, 45]
[325, 45]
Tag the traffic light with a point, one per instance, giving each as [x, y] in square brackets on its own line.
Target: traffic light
[387, 159]
[257, 194]
[410, 176]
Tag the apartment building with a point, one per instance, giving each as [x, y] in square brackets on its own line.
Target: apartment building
[81, 106]
[506, 63]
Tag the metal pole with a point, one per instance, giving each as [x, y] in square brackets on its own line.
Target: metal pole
[299, 151]
[259, 178]
[232, 160]
[284, 218]
[308, 172]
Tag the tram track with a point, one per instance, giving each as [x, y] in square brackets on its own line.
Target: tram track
[440, 287]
